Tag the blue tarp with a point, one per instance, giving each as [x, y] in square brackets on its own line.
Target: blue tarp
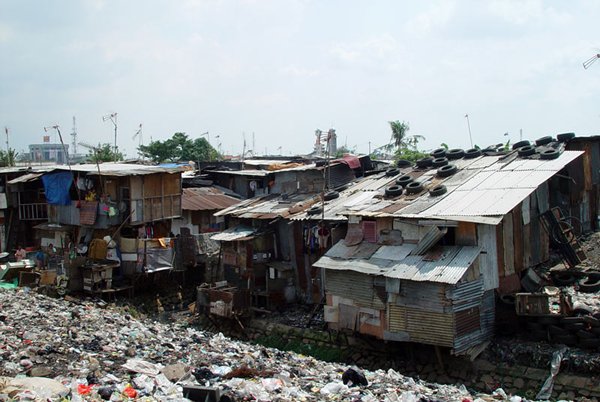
[57, 187]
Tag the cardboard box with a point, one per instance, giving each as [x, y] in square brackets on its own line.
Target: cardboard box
[128, 245]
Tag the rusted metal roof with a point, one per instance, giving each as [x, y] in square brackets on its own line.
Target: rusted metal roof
[205, 199]
[482, 191]
[449, 267]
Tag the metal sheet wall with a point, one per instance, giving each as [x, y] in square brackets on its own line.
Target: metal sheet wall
[423, 295]
[360, 287]
[422, 326]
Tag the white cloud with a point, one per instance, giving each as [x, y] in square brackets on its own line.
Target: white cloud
[434, 18]
[520, 12]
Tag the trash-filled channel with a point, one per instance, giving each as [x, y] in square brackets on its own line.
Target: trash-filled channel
[57, 349]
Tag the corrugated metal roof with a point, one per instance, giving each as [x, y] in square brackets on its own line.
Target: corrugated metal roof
[205, 199]
[395, 262]
[482, 191]
[25, 178]
[235, 233]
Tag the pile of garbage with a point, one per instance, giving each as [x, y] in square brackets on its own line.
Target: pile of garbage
[83, 350]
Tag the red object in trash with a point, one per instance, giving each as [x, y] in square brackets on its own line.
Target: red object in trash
[130, 392]
[83, 389]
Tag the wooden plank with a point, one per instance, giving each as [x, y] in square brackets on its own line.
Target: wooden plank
[521, 246]
[508, 245]
[491, 257]
[466, 234]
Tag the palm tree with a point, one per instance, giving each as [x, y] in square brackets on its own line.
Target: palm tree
[399, 130]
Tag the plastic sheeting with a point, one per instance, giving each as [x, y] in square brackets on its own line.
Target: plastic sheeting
[56, 186]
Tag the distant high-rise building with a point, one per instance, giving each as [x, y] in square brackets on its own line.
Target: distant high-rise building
[47, 152]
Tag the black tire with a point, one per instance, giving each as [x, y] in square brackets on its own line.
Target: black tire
[564, 137]
[549, 154]
[544, 140]
[414, 187]
[438, 190]
[527, 150]
[520, 144]
[402, 163]
[438, 153]
[424, 162]
[403, 180]
[455, 154]
[509, 300]
[472, 153]
[393, 191]
[331, 195]
[563, 278]
[447, 170]
[392, 172]
[315, 209]
[437, 162]
[589, 285]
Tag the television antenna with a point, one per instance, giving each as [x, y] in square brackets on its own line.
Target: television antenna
[113, 118]
[66, 153]
[95, 151]
[591, 60]
[74, 135]
[137, 134]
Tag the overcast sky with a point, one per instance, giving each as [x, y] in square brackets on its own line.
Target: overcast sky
[282, 68]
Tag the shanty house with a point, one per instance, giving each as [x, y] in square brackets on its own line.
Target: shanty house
[423, 263]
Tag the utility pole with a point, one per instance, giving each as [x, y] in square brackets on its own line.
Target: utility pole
[74, 135]
[469, 127]
[113, 118]
[6, 131]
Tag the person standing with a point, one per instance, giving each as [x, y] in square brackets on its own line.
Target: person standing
[21, 253]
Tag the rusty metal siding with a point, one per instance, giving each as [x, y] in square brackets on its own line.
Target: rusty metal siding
[466, 295]
[467, 321]
[359, 287]
[485, 332]
[422, 326]
[429, 327]
[423, 295]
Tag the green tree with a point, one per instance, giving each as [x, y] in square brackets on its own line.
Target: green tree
[179, 148]
[404, 145]
[104, 153]
[8, 158]
[341, 151]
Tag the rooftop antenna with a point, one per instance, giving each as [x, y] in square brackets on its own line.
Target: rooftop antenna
[95, 152]
[469, 127]
[74, 135]
[57, 128]
[253, 144]
[141, 138]
[590, 61]
[113, 118]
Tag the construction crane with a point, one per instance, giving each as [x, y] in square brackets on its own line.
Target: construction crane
[591, 60]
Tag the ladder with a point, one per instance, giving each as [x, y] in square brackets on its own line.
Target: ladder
[563, 236]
